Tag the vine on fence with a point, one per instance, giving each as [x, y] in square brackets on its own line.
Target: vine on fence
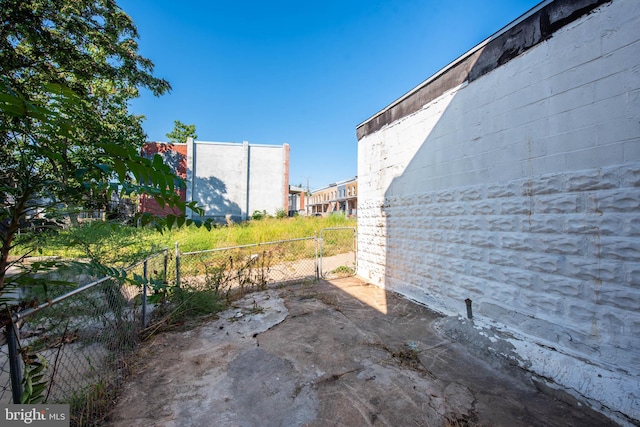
[34, 380]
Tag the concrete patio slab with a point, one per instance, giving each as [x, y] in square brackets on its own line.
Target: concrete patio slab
[338, 353]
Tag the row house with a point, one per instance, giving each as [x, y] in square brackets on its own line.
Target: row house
[297, 196]
[339, 197]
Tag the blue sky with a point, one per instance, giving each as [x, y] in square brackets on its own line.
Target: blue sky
[301, 72]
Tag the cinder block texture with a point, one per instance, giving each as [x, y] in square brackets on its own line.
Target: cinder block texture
[521, 191]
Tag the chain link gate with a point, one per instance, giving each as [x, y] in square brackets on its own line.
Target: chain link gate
[337, 252]
[241, 269]
[329, 255]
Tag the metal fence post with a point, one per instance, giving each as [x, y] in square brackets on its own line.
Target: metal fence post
[166, 264]
[355, 250]
[315, 236]
[321, 244]
[144, 294]
[113, 340]
[177, 265]
[15, 365]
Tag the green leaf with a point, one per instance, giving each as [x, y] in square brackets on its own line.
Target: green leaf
[39, 368]
[15, 110]
[171, 219]
[120, 168]
[158, 162]
[38, 388]
[28, 387]
[115, 150]
[64, 91]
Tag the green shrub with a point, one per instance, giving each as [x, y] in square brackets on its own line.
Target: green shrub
[343, 271]
[258, 215]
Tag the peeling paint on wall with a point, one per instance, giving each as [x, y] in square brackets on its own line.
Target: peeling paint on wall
[513, 179]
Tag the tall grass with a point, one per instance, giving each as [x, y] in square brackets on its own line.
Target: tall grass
[121, 245]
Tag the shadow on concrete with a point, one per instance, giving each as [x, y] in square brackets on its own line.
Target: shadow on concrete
[325, 354]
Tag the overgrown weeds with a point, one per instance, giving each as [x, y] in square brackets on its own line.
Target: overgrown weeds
[89, 407]
[214, 282]
[121, 245]
[343, 271]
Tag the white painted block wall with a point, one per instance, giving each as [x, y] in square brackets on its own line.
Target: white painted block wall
[266, 178]
[521, 191]
[236, 179]
[219, 174]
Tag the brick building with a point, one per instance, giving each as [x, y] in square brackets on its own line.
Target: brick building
[228, 180]
[174, 155]
[339, 197]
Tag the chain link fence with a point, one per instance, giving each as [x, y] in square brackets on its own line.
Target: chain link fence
[5, 379]
[337, 252]
[76, 348]
[234, 271]
[241, 269]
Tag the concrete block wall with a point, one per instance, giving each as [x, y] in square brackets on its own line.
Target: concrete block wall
[233, 180]
[519, 189]
[268, 178]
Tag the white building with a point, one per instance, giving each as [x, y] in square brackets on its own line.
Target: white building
[512, 178]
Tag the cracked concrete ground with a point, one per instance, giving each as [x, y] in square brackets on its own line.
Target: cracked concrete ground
[339, 353]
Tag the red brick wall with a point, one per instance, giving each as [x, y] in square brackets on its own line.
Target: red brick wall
[175, 155]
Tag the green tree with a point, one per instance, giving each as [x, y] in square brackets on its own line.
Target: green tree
[68, 70]
[181, 132]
